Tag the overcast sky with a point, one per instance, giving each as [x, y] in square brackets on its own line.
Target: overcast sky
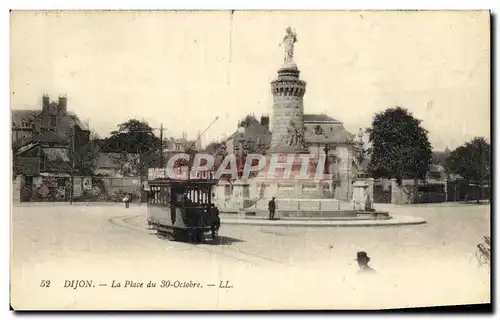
[183, 69]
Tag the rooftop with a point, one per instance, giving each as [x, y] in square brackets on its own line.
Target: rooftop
[48, 137]
[18, 116]
[338, 136]
[320, 118]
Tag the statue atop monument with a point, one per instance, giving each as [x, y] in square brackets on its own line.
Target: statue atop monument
[289, 43]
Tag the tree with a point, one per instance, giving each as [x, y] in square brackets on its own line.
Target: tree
[439, 157]
[83, 151]
[85, 162]
[130, 163]
[400, 146]
[472, 161]
[135, 137]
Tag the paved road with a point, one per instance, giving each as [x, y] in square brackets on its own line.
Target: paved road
[279, 267]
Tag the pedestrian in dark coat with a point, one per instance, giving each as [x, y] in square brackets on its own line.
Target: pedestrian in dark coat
[126, 199]
[214, 211]
[272, 208]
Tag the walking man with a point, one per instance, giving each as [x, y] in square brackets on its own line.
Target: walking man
[363, 259]
[272, 208]
[126, 199]
[214, 211]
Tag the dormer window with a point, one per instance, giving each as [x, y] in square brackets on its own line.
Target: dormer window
[24, 124]
[52, 109]
[318, 130]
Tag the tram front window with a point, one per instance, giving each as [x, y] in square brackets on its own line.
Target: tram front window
[199, 195]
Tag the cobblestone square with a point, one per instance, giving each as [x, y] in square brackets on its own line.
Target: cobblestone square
[417, 265]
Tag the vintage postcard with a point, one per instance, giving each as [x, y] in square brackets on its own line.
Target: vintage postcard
[250, 160]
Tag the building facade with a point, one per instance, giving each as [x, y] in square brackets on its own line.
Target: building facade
[324, 134]
[46, 144]
[52, 116]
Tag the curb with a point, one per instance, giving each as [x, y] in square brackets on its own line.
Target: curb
[395, 221]
[74, 204]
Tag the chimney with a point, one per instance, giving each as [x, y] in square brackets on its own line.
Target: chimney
[63, 104]
[264, 120]
[45, 101]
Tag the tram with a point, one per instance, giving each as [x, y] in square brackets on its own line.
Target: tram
[182, 209]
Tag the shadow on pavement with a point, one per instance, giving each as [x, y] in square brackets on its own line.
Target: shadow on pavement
[221, 240]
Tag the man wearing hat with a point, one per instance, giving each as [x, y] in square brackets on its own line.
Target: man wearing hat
[363, 259]
[272, 208]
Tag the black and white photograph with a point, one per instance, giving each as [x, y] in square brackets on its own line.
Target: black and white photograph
[250, 160]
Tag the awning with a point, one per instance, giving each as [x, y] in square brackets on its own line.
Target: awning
[56, 175]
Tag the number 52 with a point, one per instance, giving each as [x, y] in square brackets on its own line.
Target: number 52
[45, 284]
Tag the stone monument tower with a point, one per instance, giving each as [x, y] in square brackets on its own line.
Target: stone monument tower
[287, 137]
[288, 107]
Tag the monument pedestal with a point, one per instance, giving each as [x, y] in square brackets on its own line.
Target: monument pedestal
[362, 195]
[240, 198]
[222, 195]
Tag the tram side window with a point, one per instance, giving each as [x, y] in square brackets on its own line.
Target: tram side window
[155, 194]
[164, 195]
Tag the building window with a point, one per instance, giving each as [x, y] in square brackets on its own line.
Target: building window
[318, 130]
[52, 121]
[24, 124]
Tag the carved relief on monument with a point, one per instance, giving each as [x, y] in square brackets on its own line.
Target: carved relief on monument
[296, 138]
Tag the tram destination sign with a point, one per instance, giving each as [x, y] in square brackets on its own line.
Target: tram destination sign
[180, 173]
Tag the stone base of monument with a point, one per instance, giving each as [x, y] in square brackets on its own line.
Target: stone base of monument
[347, 215]
[373, 214]
[316, 205]
[239, 199]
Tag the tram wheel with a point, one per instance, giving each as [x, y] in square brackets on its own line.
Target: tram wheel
[198, 238]
[195, 237]
[170, 237]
